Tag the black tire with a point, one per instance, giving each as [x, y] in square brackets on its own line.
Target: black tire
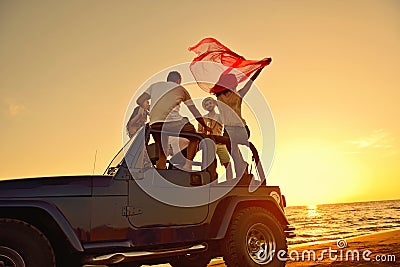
[68, 260]
[254, 238]
[22, 241]
[192, 260]
[9, 257]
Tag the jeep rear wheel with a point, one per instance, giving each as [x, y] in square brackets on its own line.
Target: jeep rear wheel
[23, 245]
[254, 238]
[10, 258]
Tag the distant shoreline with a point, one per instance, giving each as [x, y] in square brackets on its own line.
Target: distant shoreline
[340, 203]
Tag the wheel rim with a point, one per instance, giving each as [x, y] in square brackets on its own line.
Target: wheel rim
[260, 243]
[10, 258]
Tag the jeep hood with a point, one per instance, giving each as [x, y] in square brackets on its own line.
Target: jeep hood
[50, 186]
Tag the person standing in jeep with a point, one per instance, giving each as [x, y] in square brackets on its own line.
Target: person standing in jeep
[214, 122]
[235, 126]
[164, 114]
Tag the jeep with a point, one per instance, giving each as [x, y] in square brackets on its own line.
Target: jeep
[120, 219]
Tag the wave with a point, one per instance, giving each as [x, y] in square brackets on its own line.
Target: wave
[384, 227]
[368, 219]
[334, 221]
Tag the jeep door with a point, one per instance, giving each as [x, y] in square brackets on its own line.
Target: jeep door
[167, 197]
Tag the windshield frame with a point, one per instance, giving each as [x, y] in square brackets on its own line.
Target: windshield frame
[118, 159]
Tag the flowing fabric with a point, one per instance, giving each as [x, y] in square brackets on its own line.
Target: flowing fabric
[215, 61]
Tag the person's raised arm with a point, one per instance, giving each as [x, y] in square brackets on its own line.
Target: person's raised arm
[142, 99]
[242, 92]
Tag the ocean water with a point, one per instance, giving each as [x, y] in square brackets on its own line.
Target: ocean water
[335, 221]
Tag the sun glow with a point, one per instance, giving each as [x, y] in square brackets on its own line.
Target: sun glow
[312, 210]
[315, 174]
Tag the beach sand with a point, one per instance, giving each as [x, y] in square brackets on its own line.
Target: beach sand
[384, 247]
[382, 244]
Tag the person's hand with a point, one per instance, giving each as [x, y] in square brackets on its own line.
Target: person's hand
[268, 59]
[207, 129]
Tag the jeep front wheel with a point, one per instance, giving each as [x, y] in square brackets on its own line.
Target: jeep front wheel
[23, 245]
[254, 238]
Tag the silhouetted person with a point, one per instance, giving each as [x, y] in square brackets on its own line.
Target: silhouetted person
[166, 98]
[213, 121]
[231, 116]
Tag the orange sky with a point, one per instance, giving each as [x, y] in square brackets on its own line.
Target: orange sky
[69, 69]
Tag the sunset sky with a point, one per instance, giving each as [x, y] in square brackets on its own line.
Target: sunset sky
[68, 70]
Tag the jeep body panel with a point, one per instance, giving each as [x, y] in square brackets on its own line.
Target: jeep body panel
[88, 204]
[219, 223]
[70, 186]
[61, 221]
[150, 211]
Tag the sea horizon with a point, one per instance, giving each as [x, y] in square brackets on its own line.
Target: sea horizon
[325, 222]
[358, 201]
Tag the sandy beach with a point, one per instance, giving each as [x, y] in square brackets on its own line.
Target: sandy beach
[383, 247]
